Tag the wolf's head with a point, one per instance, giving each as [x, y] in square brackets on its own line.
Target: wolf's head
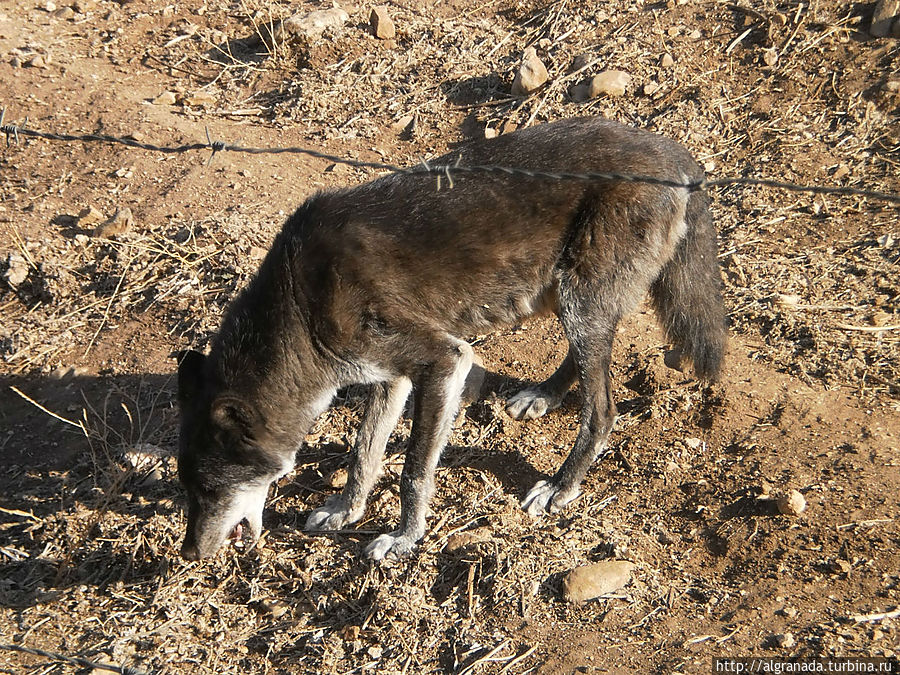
[223, 461]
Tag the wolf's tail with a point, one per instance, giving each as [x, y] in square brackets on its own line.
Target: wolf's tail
[687, 296]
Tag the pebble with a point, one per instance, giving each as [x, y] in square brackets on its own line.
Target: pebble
[337, 478]
[610, 82]
[784, 640]
[651, 88]
[592, 581]
[667, 61]
[36, 61]
[693, 443]
[18, 270]
[382, 25]
[791, 503]
[165, 98]
[90, 216]
[673, 359]
[841, 172]
[788, 300]
[532, 74]
[199, 98]
[121, 222]
[886, 19]
[64, 13]
[313, 24]
[490, 132]
[404, 123]
[461, 540]
[277, 608]
[770, 57]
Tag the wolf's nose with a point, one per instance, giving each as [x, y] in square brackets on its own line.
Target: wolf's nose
[190, 552]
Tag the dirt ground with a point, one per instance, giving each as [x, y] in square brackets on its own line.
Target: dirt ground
[90, 507]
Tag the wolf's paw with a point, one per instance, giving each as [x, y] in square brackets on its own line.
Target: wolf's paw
[547, 497]
[333, 515]
[393, 545]
[529, 404]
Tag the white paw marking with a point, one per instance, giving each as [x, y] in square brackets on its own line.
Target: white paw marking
[545, 497]
[334, 515]
[393, 545]
[529, 404]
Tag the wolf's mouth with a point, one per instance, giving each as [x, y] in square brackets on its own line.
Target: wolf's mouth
[241, 535]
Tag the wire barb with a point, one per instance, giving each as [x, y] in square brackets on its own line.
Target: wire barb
[447, 170]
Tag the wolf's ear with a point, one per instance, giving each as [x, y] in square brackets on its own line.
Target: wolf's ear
[234, 414]
[190, 374]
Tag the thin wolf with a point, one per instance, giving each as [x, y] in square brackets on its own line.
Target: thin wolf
[378, 284]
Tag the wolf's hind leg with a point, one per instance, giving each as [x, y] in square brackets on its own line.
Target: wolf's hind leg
[383, 409]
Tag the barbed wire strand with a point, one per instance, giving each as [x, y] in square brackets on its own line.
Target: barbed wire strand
[75, 660]
[14, 132]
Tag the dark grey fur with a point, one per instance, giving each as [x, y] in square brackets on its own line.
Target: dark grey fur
[375, 284]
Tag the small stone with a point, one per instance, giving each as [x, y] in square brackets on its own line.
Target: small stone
[121, 222]
[50, 6]
[461, 540]
[337, 167]
[165, 98]
[199, 98]
[841, 172]
[375, 652]
[651, 88]
[693, 443]
[277, 608]
[123, 173]
[666, 61]
[610, 82]
[490, 132]
[880, 318]
[382, 25]
[695, 34]
[892, 86]
[532, 74]
[313, 24]
[580, 92]
[337, 478]
[592, 581]
[257, 253]
[36, 61]
[143, 456]
[64, 13]
[788, 300]
[18, 270]
[770, 57]
[90, 216]
[765, 489]
[405, 123]
[81, 239]
[784, 640]
[885, 17]
[791, 503]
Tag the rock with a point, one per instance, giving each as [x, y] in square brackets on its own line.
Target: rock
[64, 13]
[841, 172]
[474, 381]
[578, 63]
[693, 443]
[667, 61]
[893, 86]
[581, 93]
[770, 57]
[651, 88]
[461, 540]
[68, 372]
[592, 581]
[36, 61]
[18, 270]
[788, 300]
[165, 98]
[885, 18]
[783, 640]
[50, 6]
[382, 25]
[879, 318]
[839, 566]
[404, 124]
[277, 608]
[490, 132]
[313, 24]
[610, 82]
[337, 478]
[532, 74]
[121, 222]
[144, 456]
[199, 98]
[791, 503]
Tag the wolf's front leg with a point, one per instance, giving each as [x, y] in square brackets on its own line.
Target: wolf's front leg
[437, 397]
[383, 409]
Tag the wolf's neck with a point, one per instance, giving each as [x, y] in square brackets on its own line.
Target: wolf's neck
[264, 354]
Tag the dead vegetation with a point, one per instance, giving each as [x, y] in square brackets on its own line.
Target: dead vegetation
[91, 509]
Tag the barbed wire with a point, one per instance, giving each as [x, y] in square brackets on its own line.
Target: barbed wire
[13, 132]
[75, 660]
